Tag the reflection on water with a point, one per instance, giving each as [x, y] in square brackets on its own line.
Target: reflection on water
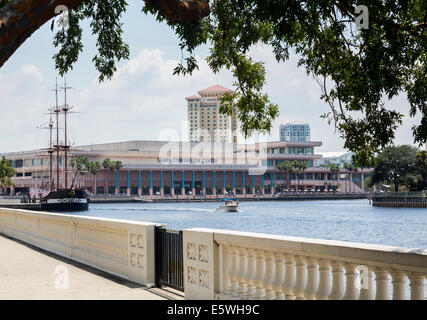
[346, 220]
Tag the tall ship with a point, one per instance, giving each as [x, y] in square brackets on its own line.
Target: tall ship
[61, 197]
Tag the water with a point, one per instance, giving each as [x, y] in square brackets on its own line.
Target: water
[345, 220]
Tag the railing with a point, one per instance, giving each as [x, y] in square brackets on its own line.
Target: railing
[169, 258]
[122, 248]
[260, 266]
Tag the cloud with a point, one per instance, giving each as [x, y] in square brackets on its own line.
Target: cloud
[144, 99]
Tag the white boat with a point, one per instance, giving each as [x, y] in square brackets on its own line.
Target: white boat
[230, 205]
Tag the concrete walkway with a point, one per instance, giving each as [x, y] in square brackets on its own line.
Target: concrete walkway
[29, 273]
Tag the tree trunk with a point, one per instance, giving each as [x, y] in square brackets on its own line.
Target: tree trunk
[19, 19]
[94, 184]
[106, 182]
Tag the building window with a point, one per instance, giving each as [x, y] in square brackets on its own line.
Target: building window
[300, 150]
[308, 150]
[291, 150]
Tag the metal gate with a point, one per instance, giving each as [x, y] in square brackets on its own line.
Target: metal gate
[169, 259]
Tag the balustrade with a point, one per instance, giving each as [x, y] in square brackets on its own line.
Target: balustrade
[288, 268]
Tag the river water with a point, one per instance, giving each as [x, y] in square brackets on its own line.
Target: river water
[346, 220]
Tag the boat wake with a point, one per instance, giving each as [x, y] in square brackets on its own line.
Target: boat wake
[154, 209]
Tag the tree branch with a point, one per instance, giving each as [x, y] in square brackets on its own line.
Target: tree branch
[182, 11]
[19, 19]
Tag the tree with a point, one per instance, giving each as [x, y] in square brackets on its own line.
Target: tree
[299, 168]
[116, 166]
[106, 164]
[6, 173]
[334, 169]
[81, 165]
[94, 168]
[286, 167]
[361, 55]
[394, 165]
[351, 168]
[420, 171]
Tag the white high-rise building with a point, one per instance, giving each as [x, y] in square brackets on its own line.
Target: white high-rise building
[205, 122]
[295, 132]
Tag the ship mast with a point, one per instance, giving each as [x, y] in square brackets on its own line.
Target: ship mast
[57, 110]
[65, 109]
[50, 152]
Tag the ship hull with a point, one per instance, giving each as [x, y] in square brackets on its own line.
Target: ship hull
[65, 206]
[66, 200]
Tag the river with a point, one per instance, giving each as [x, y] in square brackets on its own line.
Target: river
[346, 220]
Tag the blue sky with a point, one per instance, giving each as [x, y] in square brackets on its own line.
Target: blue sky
[144, 100]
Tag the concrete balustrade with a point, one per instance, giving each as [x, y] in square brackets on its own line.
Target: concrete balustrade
[264, 266]
[122, 248]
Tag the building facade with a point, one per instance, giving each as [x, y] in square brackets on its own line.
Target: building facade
[160, 168]
[338, 158]
[205, 122]
[295, 132]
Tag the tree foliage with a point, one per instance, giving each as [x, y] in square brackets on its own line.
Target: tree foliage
[396, 165]
[359, 70]
[6, 173]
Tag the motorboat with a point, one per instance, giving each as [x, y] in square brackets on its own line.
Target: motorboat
[230, 205]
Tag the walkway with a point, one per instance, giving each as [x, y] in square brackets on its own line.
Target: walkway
[29, 273]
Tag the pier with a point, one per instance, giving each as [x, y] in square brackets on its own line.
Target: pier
[399, 199]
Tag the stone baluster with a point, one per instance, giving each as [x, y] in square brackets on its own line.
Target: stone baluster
[269, 275]
[381, 280]
[250, 274]
[226, 253]
[398, 281]
[351, 291]
[235, 271]
[417, 286]
[312, 279]
[301, 277]
[324, 280]
[366, 283]
[259, 277]
[289, 277]
[279, 276]
[337, 291]
[243, 264]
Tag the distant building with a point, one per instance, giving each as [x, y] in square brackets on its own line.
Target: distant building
[295, 132]
[338, 158]
[168, 168]
[205, 123]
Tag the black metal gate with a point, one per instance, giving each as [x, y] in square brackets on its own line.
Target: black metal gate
[169, 259]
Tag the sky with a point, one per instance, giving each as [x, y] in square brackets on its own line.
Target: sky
[144, 101]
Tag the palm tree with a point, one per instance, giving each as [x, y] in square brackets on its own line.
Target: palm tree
[348, 167]
[94, 168]
[106, 164]
[352, 169]
[81, 164]
[298, 167]
[334, 169]
[286, 167]
[116, 165]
